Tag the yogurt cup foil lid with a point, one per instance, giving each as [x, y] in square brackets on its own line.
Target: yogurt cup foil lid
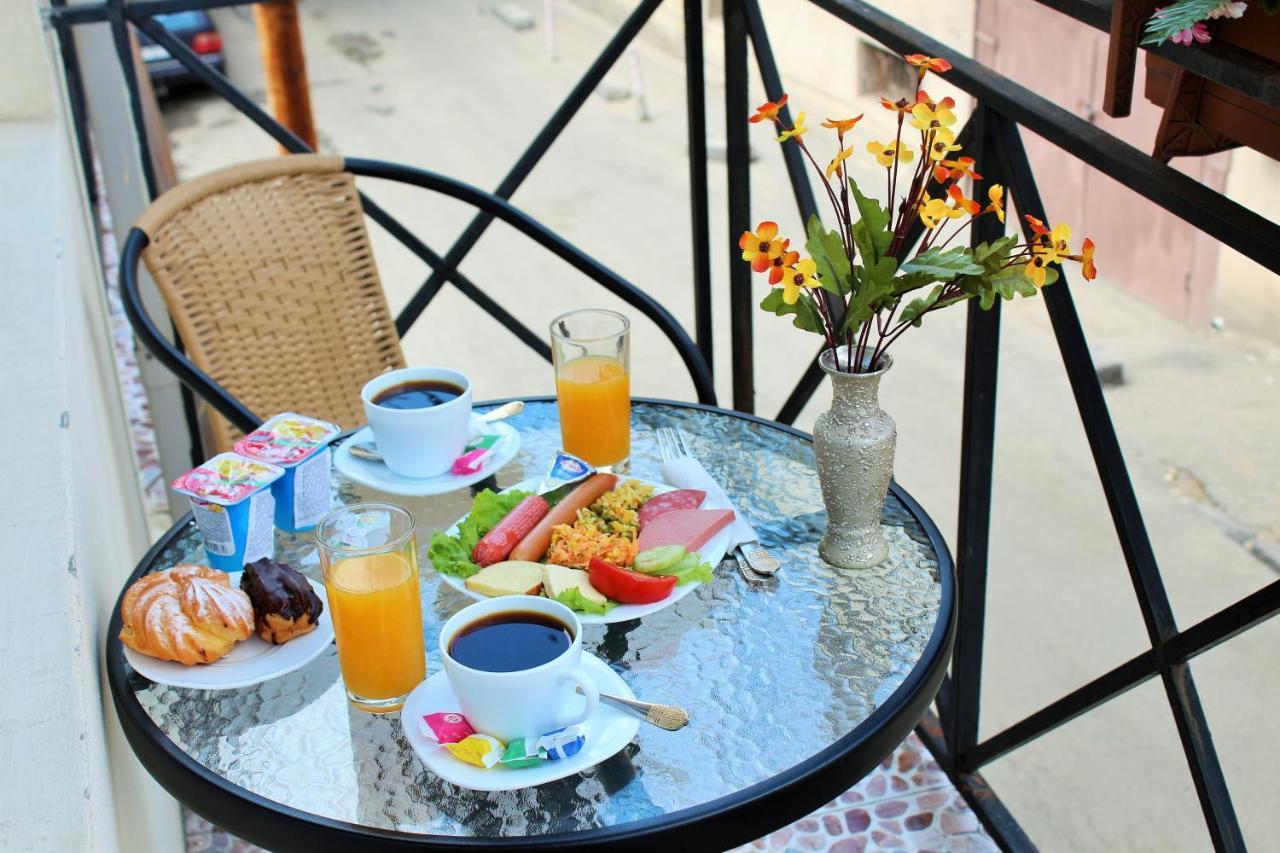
[227, 479]
[287, 439]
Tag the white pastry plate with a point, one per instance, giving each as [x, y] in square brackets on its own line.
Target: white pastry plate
[713, 552]
[252, 661]
[608, 730]
[378, 476]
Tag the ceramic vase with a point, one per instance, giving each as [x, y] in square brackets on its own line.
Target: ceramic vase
[854, 442]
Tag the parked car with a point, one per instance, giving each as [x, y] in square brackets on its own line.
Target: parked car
[196, 30]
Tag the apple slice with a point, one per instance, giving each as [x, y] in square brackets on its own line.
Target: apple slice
[510, 577]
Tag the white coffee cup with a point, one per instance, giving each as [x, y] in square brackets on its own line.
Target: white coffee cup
[527, 702]
[419, 442]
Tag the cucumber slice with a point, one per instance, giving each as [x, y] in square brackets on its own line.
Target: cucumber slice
[659, 559]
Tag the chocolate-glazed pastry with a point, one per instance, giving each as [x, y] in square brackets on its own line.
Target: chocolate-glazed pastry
[284, 604]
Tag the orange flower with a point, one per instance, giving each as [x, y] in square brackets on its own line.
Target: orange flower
[961, 167]
[782, 263]
[768, 110]
[1037, 227]
[761, 248]
[927, 63]
[959, 202]
[1087, 267]
[996, 196]
[842, 125]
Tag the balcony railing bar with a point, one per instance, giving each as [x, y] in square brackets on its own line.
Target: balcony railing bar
[699, 206]
[1199, 638]
[1230, 223]
[535, 151]
[738, 161]
[1184, 700]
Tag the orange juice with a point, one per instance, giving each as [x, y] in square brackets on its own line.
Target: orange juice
[377, 620]
[594, 392]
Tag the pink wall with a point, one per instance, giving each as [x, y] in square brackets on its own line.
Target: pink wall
[1141, 248]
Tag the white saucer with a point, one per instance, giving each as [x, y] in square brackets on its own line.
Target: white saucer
[712, 552]
[378, 476]
[251, 661]
[607, 731]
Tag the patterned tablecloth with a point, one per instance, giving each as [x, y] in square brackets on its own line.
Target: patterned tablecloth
[771, 673]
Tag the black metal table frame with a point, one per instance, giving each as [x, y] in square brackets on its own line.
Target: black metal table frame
[715, 825]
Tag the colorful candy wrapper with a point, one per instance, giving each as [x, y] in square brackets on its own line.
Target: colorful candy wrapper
[553, 746]
[474, 455]
[446, 728]
[480, 750]
[565, 468]
[233, 508]
[300, 445]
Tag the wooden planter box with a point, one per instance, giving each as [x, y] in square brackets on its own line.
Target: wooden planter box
[1200, 116]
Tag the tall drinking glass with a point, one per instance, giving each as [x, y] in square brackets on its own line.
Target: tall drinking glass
[370, 562]
[592, 352]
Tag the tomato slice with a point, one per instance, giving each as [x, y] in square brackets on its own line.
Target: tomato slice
[626, 586]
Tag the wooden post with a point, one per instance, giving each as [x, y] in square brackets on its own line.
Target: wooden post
[285, 66]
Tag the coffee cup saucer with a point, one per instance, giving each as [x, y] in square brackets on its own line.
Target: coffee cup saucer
[607, 731]
[377, 475]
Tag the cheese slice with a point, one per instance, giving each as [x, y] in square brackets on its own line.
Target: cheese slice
[510, 577]
[557, 579]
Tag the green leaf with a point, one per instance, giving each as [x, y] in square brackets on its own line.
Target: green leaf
[871, 234]
[573, 599]
[1011, 283]
[806, 315]
[1176, 17]
[916, 307]
[943, 265]
[451, 555]
[827, 250]
[874, 291]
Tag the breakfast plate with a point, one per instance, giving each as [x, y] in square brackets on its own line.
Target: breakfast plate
[712, 552]
[378, 476]
[252, 661]
[608, 730]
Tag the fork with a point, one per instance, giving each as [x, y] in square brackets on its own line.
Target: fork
[753, 560]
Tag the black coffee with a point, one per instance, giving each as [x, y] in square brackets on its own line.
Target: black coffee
[418, 394]
[510, 641]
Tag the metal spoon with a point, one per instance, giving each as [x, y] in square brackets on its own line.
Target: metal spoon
[667, 717]
[368, 450]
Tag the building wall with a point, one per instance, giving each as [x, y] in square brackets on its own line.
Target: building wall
[70, 511]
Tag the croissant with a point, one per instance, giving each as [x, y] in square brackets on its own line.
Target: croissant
[188, 614]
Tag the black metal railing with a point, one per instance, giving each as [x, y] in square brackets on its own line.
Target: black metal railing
[993, 134]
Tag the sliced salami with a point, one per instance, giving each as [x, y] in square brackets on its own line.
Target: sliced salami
[667, 501]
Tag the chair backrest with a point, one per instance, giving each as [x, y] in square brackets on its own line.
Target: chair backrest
[267, 271]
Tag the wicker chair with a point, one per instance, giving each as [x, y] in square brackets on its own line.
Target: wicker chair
[267, 271]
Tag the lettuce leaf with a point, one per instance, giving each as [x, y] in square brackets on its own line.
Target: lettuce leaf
[451, 555]
[685, 573]
[573, 599]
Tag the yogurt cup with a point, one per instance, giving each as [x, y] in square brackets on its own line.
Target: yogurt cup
[299, 445]
[233, 507]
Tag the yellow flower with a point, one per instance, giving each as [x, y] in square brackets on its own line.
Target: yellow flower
[926, 115]
[996, 196]
[933, 211]
[761, 248]
[835, 164]
[794, 278]
[941, 146]
[887, 154]
[796, 132]
[1035, 269]
[1059, 239]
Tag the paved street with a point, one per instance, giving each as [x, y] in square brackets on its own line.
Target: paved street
[447, 86]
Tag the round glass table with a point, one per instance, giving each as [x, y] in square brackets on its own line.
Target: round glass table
[796, 686]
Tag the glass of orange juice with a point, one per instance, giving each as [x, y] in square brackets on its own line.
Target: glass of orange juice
[592, 354]
[370, 562]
